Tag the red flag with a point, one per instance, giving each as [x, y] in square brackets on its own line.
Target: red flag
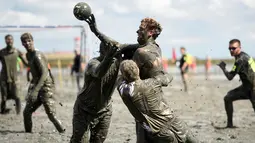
[173, 54]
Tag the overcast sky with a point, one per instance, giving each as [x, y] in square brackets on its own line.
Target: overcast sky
[202, 26]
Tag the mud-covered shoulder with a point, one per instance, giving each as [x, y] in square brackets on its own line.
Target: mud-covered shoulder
[39, 54]
[151, 48]
[242, 60]
[244, 57]
[147, 55]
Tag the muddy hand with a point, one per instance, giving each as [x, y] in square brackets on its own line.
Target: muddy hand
[92, 23]
[222, 65]
[33, 96]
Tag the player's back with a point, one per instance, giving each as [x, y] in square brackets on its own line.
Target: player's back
[90, 93]
[97, 91]
[147, 103]
[155, 107]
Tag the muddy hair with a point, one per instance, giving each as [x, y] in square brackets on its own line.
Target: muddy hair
[129, 70]
[26, 36]
[8, 35]
[153, 25]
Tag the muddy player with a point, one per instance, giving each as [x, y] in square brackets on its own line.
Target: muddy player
[245, 67]
[9, 73]
[146, 54]
[42, 88]
[144, 99]
[93, 106]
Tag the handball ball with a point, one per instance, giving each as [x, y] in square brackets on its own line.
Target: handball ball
[82, 11]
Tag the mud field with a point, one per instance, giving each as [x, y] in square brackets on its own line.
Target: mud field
[200, 108]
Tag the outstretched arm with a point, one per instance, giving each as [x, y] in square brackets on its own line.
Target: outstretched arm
[238, 66]
[93, 27]
[122, 47]
[102, 37]
[22, 58]
[230, 75]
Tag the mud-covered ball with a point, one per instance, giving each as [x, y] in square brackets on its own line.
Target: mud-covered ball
[82, 11]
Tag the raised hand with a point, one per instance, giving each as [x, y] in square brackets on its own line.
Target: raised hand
[222, 65]
[92, 23]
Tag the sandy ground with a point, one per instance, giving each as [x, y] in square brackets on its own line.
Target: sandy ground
[201, 107]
